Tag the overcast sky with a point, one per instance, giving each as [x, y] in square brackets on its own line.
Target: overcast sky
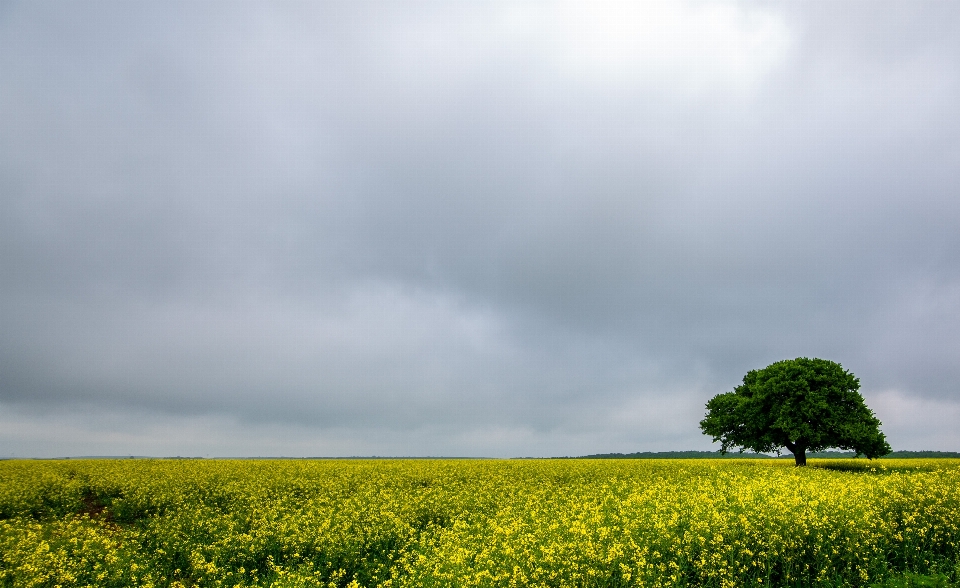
[468, 228]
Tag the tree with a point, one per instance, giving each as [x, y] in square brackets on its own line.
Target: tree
[801, 404]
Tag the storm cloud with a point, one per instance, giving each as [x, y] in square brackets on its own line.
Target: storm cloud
[491, 229]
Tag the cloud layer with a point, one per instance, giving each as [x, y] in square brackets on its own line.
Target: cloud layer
[492, 229]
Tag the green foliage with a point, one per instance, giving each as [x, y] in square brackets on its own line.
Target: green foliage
[909, 580]
[801, 404]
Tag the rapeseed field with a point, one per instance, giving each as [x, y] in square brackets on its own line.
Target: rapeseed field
[412, 523]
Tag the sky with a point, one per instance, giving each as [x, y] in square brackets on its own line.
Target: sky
[468, 228]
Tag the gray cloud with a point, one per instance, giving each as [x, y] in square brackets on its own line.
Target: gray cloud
[490, 229]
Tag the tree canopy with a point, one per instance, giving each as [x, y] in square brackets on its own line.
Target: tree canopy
[801, 404]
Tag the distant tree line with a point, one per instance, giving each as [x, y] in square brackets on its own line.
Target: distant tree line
[674, 455]
[718, 455]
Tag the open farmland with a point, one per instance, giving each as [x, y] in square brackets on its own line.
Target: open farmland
[476, 522]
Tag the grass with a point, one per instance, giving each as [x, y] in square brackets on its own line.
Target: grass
[909, 580]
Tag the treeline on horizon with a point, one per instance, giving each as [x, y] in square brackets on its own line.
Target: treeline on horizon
[637, 455]
[736, 455]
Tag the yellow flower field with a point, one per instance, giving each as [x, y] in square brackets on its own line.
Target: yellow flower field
[406, 523]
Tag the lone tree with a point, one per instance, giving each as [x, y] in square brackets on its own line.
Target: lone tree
[801, 404]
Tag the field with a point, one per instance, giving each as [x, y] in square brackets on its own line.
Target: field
[477, 522]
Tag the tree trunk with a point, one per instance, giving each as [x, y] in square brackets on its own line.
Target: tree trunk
[800, 456]
[799, 453]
